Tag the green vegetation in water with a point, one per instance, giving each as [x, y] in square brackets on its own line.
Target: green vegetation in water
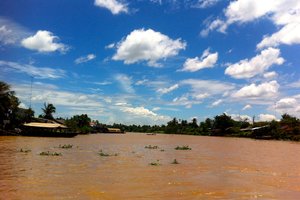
[25, 150]
[183, 148]
[155, 163]
[66, 146]
[48, 153]
[101, 153]
[151, 147]
[175, 162]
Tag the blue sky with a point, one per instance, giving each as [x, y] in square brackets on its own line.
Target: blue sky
[147, 61]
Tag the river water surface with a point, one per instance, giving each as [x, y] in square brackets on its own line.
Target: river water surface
[214, 168]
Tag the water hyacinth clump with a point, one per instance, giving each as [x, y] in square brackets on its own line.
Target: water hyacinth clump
[48, 153]
[151, 147]
[183, 148]
[155, 163]
[101, 153]
[25, 150]
[66, 146]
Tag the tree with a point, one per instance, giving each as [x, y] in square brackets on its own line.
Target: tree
[80, 123]
[8, 103]
[48, 110]
[172, 126]
[223, 122]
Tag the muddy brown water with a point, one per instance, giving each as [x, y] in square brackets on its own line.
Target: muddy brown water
[215, 168]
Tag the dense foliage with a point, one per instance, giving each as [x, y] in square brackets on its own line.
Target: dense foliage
[79, 123]
[11, 115]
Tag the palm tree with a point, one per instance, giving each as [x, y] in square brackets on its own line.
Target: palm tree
[8, 102]
[48, 110]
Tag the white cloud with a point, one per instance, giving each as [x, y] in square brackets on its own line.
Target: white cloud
[216, 103]
[142, 112]
[270, 75]
[215, 24]
[295, 84]
[147, 45]
[286, 103]
[125, 82]
[247, 107]
[201, 96]
[184, 100]
[11, 33]
[167, 90]
[84, 59]
[264, 90]
[289, 34]
[209, 87]
[205, 3]
[238, 117]
[36, 72]
[44, 93]
[115, 6]
[110, 46]
[207, 60]
[43, 41]
[283, 13]
[266, 117]
[256, 65]
[290, 105]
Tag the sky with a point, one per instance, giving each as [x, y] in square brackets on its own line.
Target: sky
[148, 61]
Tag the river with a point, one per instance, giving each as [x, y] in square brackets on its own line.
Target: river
[214, 168]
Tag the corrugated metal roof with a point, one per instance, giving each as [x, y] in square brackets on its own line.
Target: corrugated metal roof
[44, 125]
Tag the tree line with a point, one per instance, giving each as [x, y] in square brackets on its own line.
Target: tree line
[12, 116]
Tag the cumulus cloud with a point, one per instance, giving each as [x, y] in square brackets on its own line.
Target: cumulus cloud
[286, 103]
[125, 82]
[264, 90]
[43, 41]
[36, 72]
[142, 112]
[266, 117]
[283, 13]
[270, 75]
[167, 90]
[256, 65]
[84, 59]
[147, 45]
[115, 6]
[207, 60]
[289, 34]
[290, 105]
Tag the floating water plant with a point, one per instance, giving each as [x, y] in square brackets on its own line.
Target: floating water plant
[155, 163]
[25, 150]
[48, 153]
[151, 147]
[183, 148]
[101, 153]
[175, 162]
[66, 146]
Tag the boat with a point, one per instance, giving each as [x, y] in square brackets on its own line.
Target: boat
[113, 131]
[43, 129]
